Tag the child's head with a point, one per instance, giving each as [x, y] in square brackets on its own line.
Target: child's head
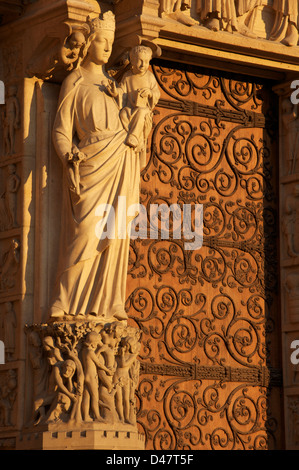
[140, 57]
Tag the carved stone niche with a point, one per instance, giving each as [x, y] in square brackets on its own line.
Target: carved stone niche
[84, 379]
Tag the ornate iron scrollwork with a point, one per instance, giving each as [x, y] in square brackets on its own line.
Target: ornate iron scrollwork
[209, 356]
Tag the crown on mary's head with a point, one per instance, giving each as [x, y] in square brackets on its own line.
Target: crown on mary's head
[106, 21]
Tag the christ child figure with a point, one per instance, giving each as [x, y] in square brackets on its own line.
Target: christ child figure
[139, 93]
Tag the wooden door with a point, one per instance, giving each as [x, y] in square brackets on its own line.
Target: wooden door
[210, 357]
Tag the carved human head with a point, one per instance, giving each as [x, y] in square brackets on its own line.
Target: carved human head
[101, 37]
[76, 40]
[140, 57]
[34, 339]
[48, 343]
[68, 368]
[129, 344]
[93, 339]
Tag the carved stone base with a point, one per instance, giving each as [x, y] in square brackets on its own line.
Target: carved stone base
[85, 376]
[90, 436]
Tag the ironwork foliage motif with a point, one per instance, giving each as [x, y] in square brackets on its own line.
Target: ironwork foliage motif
[210, 362]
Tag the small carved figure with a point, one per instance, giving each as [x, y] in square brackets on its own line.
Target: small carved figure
[140, 93]
[111, 335]
[40, 377]
[58, 53]
[286, 24]
[175, 8]
[68, 391]
[9, 326]
[290, 120]
[7, 398]
[9, 265]
[8, 200]
[290, 222]
[47, 393]
[126, 358]
[11, 120]
[92, 366]
[69, 52]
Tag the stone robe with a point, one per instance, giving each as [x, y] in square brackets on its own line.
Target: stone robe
[93, 267]
[228, 10]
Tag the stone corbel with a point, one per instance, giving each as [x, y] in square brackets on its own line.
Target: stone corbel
[58, 52]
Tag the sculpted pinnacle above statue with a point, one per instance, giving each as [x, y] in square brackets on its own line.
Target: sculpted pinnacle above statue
[101, 167]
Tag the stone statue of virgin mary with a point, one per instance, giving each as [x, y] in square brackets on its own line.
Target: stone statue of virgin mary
[99, 171]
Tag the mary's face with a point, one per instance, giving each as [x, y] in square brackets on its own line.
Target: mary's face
[101, 46]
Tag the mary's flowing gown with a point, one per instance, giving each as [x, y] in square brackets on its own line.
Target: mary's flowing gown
[93, 271]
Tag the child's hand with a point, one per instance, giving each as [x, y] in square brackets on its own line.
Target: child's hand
[145, 93]
[112, 88]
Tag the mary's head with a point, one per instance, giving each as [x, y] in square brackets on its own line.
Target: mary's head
[100, 39]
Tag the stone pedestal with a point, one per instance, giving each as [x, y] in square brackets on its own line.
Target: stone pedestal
[88, 436]
[84, 380]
